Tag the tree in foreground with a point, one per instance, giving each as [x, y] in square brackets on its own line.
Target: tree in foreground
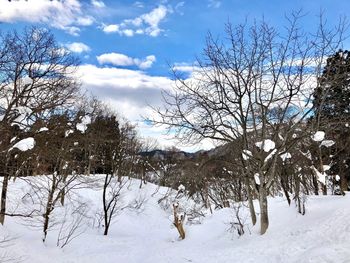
[253, 90]
[37, 77]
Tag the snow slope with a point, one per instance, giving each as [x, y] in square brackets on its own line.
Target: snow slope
[147, 235]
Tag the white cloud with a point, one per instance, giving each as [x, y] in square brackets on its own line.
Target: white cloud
[147, 23]
[85, 21]
[129, 93]
[98, 4]
[65, 14]
[78, 47]
[138, 4]
[110, 28]
[146, 63]
[214, 3]
[185, 67]
[118, 59]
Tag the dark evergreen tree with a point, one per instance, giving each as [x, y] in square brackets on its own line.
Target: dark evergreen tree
[332, 112]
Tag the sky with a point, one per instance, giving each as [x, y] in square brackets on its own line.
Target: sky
[127, 48]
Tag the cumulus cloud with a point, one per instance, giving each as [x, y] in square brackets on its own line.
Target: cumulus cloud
[118, 59]
[145, 24]
[77, 47]
[130, 92]
[65, 14]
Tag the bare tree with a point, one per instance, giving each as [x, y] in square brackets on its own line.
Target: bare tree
[36, 76]
[253, 89]
[112, 190]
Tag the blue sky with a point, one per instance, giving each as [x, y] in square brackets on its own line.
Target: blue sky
[126, 46]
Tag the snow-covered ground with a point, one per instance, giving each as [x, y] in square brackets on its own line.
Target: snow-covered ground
[148, 235]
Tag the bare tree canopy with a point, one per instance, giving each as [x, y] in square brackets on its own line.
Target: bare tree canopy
[37, 76]
[253, 88]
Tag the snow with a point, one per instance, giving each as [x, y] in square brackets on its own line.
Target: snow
[148, 236]
[43, 129]
[68, 132]
[321, 177]
[24, 145]
[267, 145]
[270, 155]
[285, 156]
[246, 154]
[257, 179]
[318, 136]
[83, 125]
[181, 188]
[327, 143]
[326, 167]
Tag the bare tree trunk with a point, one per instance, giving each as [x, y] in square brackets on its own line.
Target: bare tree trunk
[3, 197]
[105, 208]
[63, 191]
[250, 203]
[343, 181]
[264, 218]
[315, 184]
[178, 222]
[49, 205]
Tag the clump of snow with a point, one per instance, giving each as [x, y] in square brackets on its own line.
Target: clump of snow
[68, 132]
[246, 154]
[181, 188]
[267, 145]
[326, 167]
[25, 144]
[327, 143]
[43, 129]
[318, 136]
[285, 156]
[257, 179]
[321, 177]
[83, 125]
[270, 155]
[337, 178]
